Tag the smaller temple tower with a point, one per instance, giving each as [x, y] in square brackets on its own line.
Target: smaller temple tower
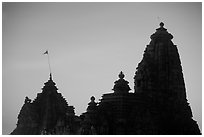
[89, 122]
[113, 114]
[121, 85]
[49, 113]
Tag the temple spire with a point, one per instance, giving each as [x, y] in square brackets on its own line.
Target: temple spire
[159, 76]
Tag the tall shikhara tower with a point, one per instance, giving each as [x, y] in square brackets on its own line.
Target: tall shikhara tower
[159, 76]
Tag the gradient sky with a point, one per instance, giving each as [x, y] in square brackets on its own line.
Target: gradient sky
[89, 44]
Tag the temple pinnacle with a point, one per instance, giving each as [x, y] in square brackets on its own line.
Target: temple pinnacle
[92, 99]
[50, 76]
[161, 24]
[121, 75]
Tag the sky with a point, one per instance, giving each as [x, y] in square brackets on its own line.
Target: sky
[89, 44]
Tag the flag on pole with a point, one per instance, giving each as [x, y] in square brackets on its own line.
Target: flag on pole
[46, 52]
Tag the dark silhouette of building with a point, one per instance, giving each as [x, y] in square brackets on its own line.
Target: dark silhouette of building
[49, 113]
[158, 105]
[159, 76]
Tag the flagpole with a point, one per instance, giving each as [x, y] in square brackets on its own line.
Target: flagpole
[46, 52]
[49, 63]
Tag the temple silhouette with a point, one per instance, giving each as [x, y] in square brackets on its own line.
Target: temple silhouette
[158, 105]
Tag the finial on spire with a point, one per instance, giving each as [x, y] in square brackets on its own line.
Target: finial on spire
[121, 75]
[92, 99]
[50, 76]
[160, 29]
[121, 85]
[161, 24]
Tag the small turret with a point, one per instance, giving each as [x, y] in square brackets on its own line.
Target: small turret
[92, 105]
[121, 85]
